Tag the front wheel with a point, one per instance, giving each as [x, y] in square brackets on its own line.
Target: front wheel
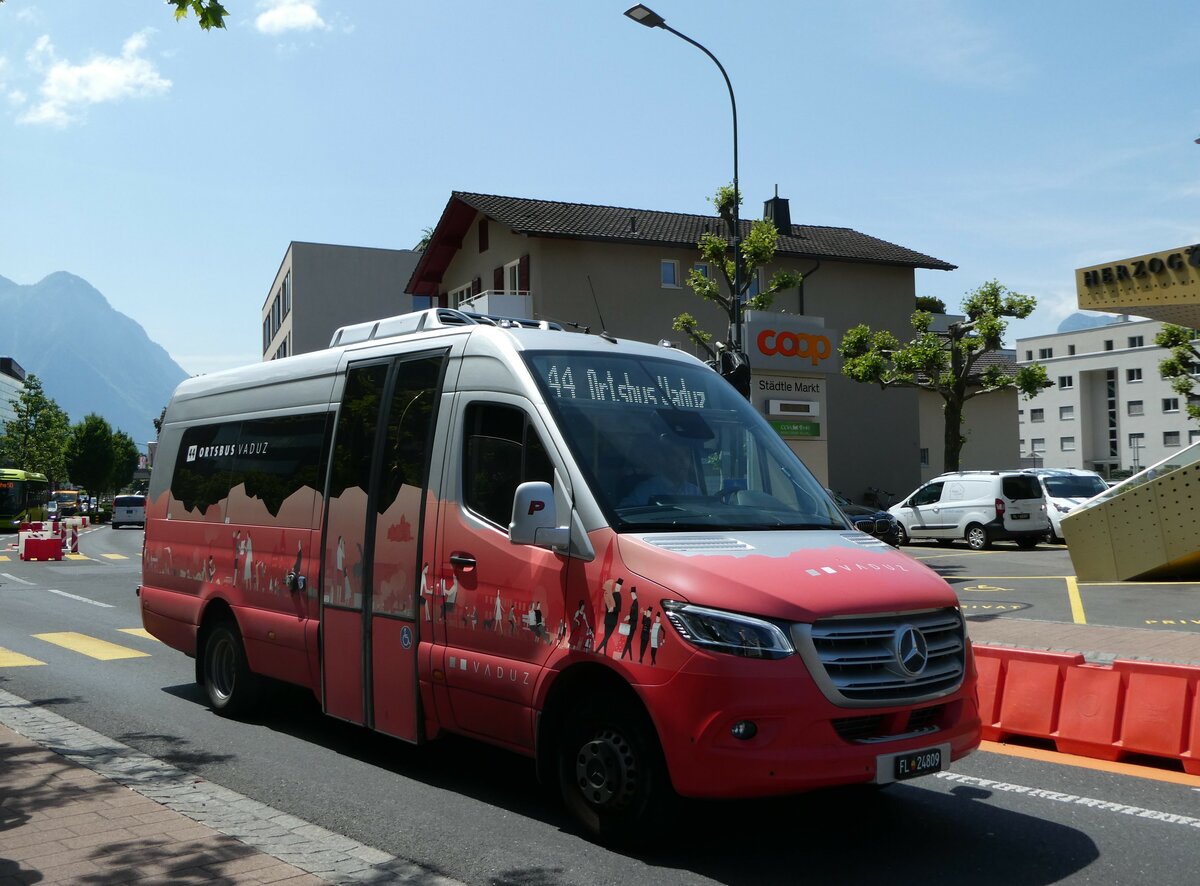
[902, 535]
[977, 538]
[231, 687]
[611, 773]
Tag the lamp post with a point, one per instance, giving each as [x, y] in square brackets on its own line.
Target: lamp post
[644, 15]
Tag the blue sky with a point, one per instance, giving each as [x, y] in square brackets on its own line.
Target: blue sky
[171, 167]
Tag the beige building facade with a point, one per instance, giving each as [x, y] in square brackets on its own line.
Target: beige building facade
[624, 271]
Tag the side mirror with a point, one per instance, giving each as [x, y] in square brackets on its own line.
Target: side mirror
[534, 521]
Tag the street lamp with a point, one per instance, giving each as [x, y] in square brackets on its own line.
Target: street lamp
[644, 15]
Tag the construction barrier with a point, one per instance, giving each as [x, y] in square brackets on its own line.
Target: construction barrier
[1131, 708]
[40, 547]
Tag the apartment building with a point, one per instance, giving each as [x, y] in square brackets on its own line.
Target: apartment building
[12, 383]
[320, 287]
[1109, 409]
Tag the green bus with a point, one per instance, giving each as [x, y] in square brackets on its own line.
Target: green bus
[23, 498]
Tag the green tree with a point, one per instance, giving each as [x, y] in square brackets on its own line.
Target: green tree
[90, 454]
[757, 249]
[945, 363]
[1178, 367]
[125, 460]
[36, 439]
[209, 13]
[931, 304]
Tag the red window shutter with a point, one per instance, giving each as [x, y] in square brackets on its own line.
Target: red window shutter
[498, 279]
[523, 274]
[477, 286]
[483, 235]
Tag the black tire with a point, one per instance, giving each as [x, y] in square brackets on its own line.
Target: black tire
[977, 538]
[1026, 544]
[611, 773]
[231, 687]
[902, 535]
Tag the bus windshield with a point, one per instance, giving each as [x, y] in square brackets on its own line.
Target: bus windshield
[667, 445]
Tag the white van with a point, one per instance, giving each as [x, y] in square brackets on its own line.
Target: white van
[444, 525]
[1066, 489]
[978, 506]
[129, 510]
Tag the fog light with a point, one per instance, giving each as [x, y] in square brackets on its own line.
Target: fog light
[744, 729]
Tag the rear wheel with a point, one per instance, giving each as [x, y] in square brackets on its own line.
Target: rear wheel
[977, 538]
[231, 687]
[902, 535]
[1026, 543]
[611, 773]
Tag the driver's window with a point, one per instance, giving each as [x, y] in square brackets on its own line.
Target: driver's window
[501, 450]
[928, 495]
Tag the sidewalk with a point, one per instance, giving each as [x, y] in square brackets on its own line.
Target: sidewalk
[1098, 644]
[77, 807]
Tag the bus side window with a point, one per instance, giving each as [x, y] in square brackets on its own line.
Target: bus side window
[501, 450]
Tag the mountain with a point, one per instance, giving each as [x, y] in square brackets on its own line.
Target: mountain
[1077, 321]
[89, 357]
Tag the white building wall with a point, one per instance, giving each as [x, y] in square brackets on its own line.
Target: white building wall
[1088, 423]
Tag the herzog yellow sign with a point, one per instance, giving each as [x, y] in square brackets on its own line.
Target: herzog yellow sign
[1168, 279]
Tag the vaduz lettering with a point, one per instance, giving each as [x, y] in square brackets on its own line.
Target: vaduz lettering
[1139, 270]
[794, 344]
[231, 449]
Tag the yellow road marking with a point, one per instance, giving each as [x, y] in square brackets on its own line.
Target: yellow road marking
[75, 556]
[1129, 769]
[10, 659]
[90, 646]
[5, 558]
[139, 632]
[114, 556]
[1076, 602]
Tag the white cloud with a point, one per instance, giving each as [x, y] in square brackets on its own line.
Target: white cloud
[279, 16]
[68, 88]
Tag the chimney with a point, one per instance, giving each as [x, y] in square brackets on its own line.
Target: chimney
[776, 210]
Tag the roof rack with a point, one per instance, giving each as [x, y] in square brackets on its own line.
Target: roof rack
[431, 318]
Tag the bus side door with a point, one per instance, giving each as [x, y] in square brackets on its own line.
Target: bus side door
[375, 506]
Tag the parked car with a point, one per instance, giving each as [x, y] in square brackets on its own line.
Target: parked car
[129, 510]
[1065, 490]
[978, 506]
[872, 521]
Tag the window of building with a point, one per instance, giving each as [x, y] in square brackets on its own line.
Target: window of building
[1065, 382]
[1070, 350]
[755, 283]
[483, 235]
[1029, 355]
[1066, 444]
[287, 293]
[512, 277]
[1066, 413]
[1135, 341]
[924, 456]
[1137, 440]
[1045, 353]
[422, 302]
[1133, 375]
[1038, 445]
[1170, 438]
[266, 333]
[458, 296]
[1037, 414]
[1108, 344]
[1170, 404]
[1135, 407]
[1193, 437]
[701, 268]
[1021, 445]
[668, 274]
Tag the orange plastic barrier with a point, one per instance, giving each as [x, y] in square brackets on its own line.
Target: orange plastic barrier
[1104, 712]
[42, 549]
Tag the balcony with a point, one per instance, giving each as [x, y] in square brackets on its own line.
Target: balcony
[499, 302]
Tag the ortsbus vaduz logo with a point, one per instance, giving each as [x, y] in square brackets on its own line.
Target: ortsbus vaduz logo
[785, 343]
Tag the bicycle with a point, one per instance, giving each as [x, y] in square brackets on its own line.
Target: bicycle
[875, 497]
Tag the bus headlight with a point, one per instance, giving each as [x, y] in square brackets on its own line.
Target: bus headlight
[728, 632]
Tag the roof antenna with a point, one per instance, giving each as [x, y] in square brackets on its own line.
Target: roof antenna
[604, 326]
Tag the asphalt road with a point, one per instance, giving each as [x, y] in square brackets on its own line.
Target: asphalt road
[1003, 816]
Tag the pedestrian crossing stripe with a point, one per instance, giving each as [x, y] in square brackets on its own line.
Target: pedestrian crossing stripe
[139, 632]
[10, 659]
[92, 647]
